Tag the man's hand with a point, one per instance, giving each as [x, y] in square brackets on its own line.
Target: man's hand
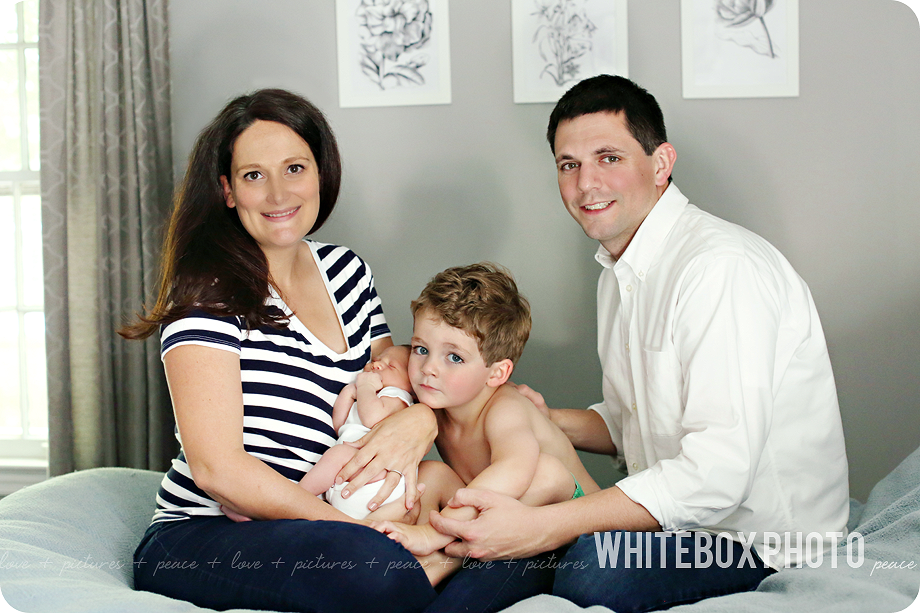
[505, 528]
[534, 396]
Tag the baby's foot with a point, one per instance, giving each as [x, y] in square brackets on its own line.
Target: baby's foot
[237, 517]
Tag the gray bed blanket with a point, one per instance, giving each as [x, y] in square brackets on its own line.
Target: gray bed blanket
[66, 546]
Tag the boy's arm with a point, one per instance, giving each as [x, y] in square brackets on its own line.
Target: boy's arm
[514, 447]
[514, 456]
[584, 428]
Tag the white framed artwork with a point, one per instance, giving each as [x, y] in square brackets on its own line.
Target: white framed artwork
[557, 43]
[740, 48]
[394, 53]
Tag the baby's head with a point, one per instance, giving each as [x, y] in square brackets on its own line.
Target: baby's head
[392, 364]
[483, 301]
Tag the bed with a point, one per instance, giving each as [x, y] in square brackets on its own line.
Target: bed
[66, 546]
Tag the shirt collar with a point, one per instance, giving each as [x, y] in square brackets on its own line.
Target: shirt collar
[640, 254]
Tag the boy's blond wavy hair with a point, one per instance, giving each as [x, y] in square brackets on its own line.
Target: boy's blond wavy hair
[482, 300]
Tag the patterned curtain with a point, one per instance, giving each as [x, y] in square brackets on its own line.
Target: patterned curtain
[106, 188]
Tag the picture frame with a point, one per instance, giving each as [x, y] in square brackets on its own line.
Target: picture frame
[740, 48]
[393, 55]
[557, 43]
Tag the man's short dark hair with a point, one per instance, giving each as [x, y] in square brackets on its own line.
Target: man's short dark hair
[612, 94]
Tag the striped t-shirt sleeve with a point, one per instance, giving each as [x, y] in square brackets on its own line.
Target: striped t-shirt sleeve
[200, 328]
[379, 328]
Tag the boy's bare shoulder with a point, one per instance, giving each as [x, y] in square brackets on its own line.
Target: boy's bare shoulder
[508, 403]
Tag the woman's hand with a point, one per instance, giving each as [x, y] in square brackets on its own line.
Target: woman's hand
[397, 445]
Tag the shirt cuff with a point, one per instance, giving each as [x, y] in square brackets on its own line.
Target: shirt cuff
[641, 489]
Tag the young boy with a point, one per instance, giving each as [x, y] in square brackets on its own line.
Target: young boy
[471, 325]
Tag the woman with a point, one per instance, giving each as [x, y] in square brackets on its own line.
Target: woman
[261, 328]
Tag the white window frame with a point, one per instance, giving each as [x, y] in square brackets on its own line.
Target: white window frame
[23, 460]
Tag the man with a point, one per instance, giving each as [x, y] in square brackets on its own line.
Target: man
[718, 390]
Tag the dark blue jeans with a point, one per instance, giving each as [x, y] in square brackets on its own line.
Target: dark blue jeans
[644, 571]
[314, 566]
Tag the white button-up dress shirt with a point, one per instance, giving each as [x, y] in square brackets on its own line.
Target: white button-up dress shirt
[718, 389]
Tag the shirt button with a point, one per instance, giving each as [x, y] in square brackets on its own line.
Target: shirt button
[641, 274]
[635, 466]
[634, 407]
[627, 346]
[629, 288]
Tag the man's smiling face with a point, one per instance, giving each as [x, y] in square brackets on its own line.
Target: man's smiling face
[606, 180]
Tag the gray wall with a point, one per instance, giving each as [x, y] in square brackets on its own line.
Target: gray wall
[827, 177]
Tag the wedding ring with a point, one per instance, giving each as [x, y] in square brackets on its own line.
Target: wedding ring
[395, 471]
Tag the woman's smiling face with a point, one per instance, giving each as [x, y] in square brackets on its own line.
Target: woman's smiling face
[273, 185]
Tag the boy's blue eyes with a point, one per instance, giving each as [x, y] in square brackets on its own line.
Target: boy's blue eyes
[453, 358]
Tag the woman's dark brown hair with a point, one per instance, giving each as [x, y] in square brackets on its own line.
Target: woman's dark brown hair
[209, 261]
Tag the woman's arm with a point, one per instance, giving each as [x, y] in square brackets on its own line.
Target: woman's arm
[380, 344]
[207, 397]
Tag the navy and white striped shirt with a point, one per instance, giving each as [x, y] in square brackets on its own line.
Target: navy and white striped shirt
[290, 378]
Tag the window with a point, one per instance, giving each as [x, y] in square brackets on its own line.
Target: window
[23, 390]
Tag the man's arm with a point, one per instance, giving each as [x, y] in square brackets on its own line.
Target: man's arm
[585, 429]
[506, 528]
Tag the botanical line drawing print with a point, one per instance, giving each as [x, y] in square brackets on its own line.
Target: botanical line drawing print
[564, 35]
[745, 24]
[393, 32]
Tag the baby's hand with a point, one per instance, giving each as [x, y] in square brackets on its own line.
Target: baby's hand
[370, 378]
[414, 538]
